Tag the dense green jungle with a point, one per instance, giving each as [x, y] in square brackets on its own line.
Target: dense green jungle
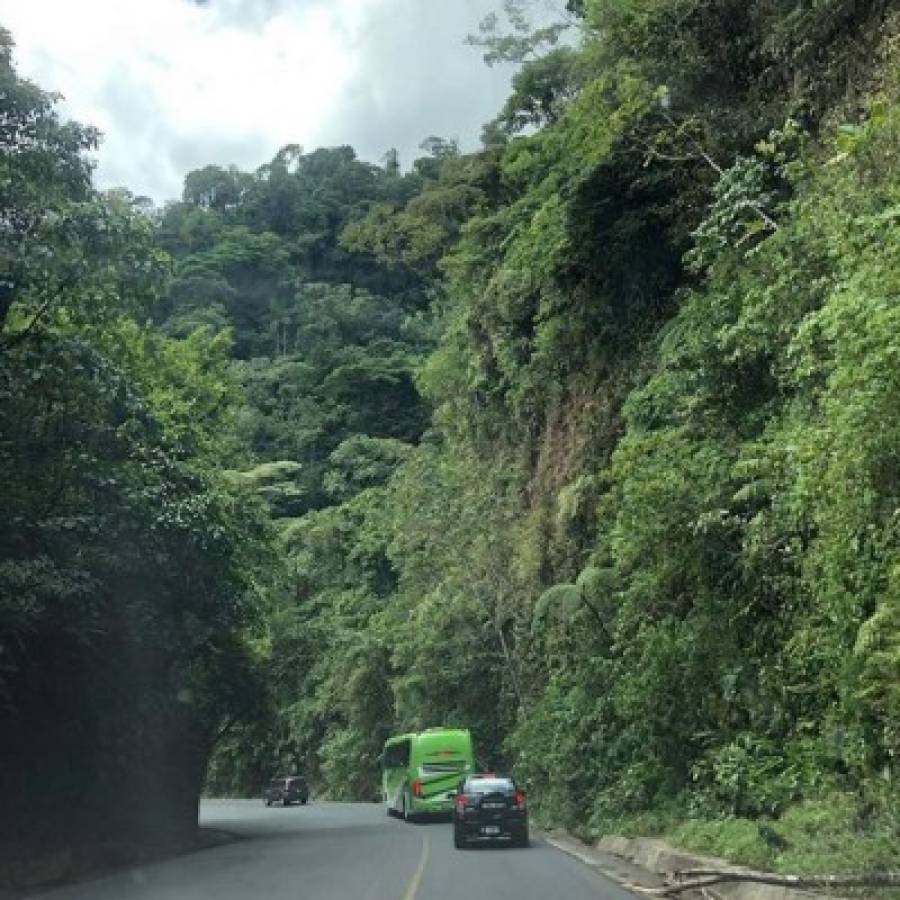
[587, 440]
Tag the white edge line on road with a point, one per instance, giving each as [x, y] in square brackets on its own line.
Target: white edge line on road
[571, 851]
[413, 887]
[605, 871]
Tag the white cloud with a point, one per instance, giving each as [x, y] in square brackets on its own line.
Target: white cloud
[174, 85]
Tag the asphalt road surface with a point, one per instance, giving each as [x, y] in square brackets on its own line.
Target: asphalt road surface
[346, 851]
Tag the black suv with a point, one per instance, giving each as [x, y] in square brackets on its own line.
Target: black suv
[489, 806]
[287, 789]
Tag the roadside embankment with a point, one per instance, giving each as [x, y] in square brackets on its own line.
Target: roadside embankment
[649, 865]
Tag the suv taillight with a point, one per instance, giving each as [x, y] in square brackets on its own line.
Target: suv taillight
[461, 801]
[520, 799]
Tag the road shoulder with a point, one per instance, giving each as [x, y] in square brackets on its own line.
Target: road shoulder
[616, 868]
[638, 864]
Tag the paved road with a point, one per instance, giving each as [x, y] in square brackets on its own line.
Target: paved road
[346, 851]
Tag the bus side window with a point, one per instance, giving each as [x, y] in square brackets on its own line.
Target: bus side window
[397, 756]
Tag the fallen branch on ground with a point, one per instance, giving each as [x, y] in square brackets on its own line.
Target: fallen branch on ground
[697, 879]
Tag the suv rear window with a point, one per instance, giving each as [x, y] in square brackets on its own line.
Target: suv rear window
[488, 785]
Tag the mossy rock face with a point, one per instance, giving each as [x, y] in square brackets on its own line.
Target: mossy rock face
[34, 869]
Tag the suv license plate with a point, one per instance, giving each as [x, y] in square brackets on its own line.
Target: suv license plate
[491, 829]
[494, 805]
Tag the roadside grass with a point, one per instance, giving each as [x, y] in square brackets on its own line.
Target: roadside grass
[836, 833]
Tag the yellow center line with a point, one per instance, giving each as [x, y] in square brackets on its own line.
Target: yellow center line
[413, 887]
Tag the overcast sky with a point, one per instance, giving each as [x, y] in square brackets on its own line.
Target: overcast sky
[177, 84]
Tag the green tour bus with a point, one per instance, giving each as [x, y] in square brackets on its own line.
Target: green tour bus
[421, 770]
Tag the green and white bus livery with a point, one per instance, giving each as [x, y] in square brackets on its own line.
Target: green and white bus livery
[421, 770]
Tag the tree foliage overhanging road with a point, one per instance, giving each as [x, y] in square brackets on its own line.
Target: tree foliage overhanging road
[586, 440]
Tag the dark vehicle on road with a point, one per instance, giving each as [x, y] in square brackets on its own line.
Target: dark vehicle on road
[287, 789]
[488, 807]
